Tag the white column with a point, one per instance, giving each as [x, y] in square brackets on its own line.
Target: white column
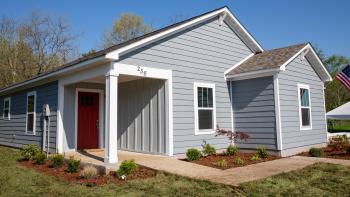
[111, 118]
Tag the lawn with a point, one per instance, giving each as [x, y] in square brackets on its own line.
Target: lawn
[316, 180]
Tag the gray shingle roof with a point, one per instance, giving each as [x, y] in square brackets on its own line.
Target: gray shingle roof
[270, 59]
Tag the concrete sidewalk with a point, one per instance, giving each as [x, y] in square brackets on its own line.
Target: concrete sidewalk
[232, 177]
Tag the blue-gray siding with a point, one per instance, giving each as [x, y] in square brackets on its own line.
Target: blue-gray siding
[12, 132]
[200, 54]
[300, 71]
[142, 116]
[254, 111]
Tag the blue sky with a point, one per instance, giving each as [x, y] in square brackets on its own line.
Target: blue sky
[274, 23]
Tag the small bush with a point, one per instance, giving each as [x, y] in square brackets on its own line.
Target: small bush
[348, 150]
[338, 142]
[40, 158]
[193, 154]
[127, 167]
[316, 152]
[239, 161]
[57, 160]
[208, 149]
[89, 172]
[73, 165]
[262, 152]
[221, 163]
[232, 150]
[255, 158]
[28, 152]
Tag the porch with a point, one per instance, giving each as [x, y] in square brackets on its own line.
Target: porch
[115, 107]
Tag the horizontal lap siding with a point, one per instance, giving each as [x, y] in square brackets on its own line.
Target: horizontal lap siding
[12, 132]
[201, 54]
[254, 111]
[300, 71]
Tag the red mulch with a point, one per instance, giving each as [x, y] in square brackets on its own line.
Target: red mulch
[329, 153]
[212, 160]
[61, 173]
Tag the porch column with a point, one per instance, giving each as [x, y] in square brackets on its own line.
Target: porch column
[111, 119]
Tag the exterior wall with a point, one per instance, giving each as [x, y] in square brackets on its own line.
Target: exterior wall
[300, 71]
[69, 112]
[142, 116]
[200, 54]
[13, 132]
[254, 111]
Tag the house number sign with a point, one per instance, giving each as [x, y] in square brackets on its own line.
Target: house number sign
[141, 70]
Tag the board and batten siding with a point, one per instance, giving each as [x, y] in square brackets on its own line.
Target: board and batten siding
[13, 131]
[254, 112]
[201, 53]
[142, 116]
[299, 71]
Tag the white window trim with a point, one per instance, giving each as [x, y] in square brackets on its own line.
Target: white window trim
[303, 86]
[9, 108]
[34, 113]
[198, 131]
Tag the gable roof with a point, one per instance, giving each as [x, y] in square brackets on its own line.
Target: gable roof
[275, 60]
[112, 53]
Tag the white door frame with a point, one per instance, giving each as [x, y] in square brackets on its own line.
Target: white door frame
[101, 115]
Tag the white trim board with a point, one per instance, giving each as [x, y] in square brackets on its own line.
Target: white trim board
[116, 54]
[277, 112]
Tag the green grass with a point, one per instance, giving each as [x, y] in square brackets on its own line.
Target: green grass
[339, 128]
[316, 180]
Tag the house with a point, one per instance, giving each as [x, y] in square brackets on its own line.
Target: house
[168, 90]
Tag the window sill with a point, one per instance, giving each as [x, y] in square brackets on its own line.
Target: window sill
[305, 128]
[30, 133]
[204, 132]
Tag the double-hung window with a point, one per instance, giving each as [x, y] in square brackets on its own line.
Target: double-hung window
[31, 112]
[6, 112]
[204, 108]
[304, 107]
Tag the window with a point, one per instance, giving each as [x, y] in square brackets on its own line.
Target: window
[204, 108]
[31, 106]
[6, 112]
[304, 107]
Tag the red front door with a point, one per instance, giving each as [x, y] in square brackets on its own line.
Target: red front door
[88, 120]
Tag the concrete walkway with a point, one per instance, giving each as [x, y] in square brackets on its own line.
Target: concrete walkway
[232, 177]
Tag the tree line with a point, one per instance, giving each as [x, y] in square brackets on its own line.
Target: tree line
[41, 43]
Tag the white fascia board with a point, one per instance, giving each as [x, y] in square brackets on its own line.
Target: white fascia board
[253, 74]
[55, 73]
[238, 64]
[308, 48]
[116, 54]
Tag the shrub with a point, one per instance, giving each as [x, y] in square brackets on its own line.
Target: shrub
[28, 152]
[239, 161]
[348, 150]
[232, 150]
[73, 165]
[338, 142]
[193, 154]
[255, 158]
[208, 149]
[316, 152]
[57, 160]
[262, 152]
[89, 172]
[127, 167]
[40, 158]
[221, 163]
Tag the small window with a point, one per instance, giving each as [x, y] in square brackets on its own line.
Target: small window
[31, 115]
[304, 107]
[205, 112]
[6, 112]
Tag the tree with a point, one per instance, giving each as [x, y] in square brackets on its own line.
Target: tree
[127, 27]
[32, 47]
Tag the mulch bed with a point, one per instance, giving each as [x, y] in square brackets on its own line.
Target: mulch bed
[61, 173]
[329, 153]
[212, 160]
